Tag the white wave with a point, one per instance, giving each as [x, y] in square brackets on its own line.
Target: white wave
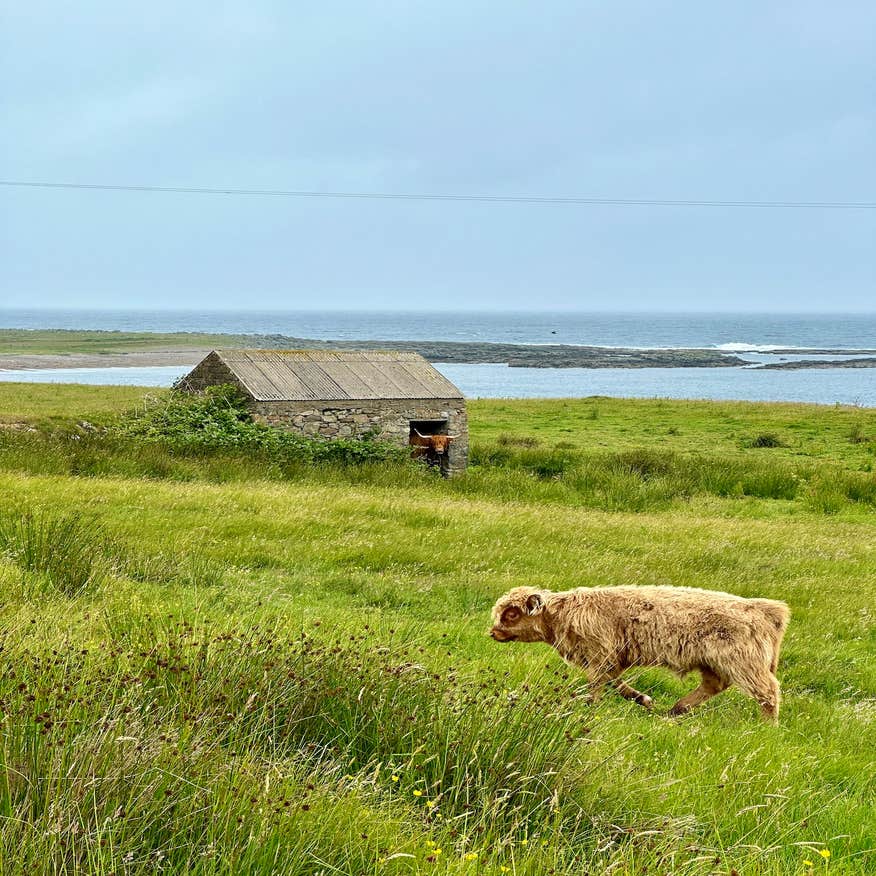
[742, 347]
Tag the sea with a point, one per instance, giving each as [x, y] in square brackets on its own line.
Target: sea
[758, 338]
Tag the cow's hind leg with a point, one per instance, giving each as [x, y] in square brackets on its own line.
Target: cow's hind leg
[630, 693]
[710, 685]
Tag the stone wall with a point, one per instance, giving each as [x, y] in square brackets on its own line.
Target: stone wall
[384, 419]
[210, 371]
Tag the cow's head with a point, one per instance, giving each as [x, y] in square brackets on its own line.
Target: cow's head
[518, 616]
[436, 443]
[441, 443]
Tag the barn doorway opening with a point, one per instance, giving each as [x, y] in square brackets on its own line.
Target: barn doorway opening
[424, 447]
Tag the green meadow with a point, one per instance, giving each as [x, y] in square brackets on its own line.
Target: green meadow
[222, 660]
[72, 341]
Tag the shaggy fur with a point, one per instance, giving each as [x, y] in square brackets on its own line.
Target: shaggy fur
[605, 630]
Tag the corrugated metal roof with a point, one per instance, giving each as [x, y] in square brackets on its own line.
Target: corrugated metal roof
[336, 375]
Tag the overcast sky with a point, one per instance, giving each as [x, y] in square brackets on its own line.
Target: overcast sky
[684, 100]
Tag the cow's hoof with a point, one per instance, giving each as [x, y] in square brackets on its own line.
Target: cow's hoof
[645, 701]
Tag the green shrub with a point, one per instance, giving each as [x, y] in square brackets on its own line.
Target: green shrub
[218, 419]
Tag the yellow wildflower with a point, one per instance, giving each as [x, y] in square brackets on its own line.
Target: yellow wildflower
[825, 853]
[524, 842]
[418, 793]
[431, 803]
[430, 843]
[808, 864]
[471, 856]
[394, 778]
[437, 852]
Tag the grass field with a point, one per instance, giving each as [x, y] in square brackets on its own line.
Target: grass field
[67, 341]
[225, 665]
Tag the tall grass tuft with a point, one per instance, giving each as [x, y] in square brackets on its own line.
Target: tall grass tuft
[764, 439]
[66, 550]
[858, 434]
[829, 494]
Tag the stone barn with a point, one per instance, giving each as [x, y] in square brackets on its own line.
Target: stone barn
[396, 397]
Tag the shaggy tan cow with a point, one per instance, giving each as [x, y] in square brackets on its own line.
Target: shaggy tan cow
[605, 630]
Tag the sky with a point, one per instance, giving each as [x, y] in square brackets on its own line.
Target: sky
[642, 100]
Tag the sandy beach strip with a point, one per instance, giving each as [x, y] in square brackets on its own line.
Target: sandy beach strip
[135, 359]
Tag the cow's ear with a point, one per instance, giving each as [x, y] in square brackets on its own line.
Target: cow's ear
[534, 604]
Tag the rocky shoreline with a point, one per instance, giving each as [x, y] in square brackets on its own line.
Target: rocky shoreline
[514, 355]
[869, 362]
[529, 356]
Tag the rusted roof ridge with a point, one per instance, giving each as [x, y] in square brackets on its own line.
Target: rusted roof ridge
[325, 355]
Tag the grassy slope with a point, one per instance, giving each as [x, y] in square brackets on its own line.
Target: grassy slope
[806, 431]
[60, 404]
[811, 431]
[61, 341]
[413, 571]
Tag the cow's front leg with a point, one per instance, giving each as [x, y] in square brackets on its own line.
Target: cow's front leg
[597, 667]
[598, 676]
[595, 689]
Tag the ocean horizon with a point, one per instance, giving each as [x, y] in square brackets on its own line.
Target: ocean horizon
[732, 332]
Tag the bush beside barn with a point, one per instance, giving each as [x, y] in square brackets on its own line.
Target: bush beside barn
[391, 396]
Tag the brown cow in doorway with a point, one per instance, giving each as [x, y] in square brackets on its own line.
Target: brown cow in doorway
[438, 444]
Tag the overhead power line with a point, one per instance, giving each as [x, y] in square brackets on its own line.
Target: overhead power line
[481, 199]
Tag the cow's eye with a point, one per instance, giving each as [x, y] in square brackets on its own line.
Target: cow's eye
[510, 615]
